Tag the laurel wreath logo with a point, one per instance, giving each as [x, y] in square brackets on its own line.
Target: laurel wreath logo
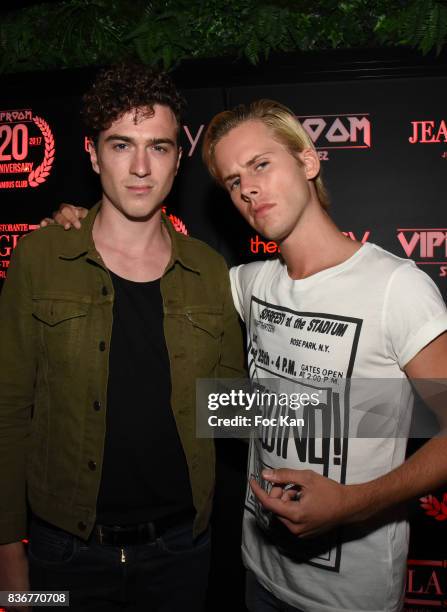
[40, 174]
[178, 224]
[433, 507]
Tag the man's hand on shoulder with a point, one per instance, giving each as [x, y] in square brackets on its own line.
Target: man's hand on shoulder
[68, 216]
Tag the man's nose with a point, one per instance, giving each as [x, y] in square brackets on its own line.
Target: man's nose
[249, 189]
[141, 163]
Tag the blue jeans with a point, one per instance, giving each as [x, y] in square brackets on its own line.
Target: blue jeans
[259, 599]
[168, 575]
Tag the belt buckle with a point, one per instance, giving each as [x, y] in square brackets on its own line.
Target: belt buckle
[117, 536]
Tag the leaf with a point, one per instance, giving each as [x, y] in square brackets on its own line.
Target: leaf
[436, 503]
[167, 56]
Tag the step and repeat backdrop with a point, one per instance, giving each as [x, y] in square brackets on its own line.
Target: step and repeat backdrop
[383, 148]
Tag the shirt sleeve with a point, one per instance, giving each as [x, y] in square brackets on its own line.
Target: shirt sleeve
[232, 362]
[236, 290]
[414, 312]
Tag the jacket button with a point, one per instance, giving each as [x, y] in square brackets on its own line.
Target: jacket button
[92, 465]
[82, 526]
[104, 291]
[97, 405]
[102, 345]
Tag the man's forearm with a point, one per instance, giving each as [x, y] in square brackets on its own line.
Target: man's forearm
[424, 471]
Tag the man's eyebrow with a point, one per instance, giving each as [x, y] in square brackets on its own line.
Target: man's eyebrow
[156, 141]
[248, 164]
[152, 141]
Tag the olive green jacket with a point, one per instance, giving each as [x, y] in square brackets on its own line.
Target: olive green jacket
[55, 330]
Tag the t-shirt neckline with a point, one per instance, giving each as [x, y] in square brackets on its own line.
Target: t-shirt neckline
[327, 272]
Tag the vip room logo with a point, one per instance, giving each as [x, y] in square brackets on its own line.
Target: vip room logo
[10, 233]
[350, 131]
[426, 246]
[27, 149]
[426, 585]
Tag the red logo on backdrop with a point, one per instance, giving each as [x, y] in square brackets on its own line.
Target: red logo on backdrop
[178, 224]
[350, 131]
[435, 508]
[264, 247]
[10, 233]
[427, 246]
[269, 247]
[27, 149]
[364, 238]
[427, 132]
[426, 585]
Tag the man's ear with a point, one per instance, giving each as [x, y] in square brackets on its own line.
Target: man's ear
[311, 162]
[93, 156]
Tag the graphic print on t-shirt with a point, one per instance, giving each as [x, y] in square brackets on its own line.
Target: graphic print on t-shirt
[312, 353]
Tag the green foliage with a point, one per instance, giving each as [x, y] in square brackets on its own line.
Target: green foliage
[421, 24]
[74, 33]
[428, 27]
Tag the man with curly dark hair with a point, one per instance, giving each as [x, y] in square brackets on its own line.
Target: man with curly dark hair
[128, 88]
[105, 331]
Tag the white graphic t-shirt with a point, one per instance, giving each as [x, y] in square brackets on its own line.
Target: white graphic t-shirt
[363, 319]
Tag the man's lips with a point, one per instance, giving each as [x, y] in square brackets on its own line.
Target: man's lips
[139, 188]
[261, 210]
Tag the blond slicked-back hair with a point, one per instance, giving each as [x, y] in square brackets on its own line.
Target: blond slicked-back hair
[279, 119]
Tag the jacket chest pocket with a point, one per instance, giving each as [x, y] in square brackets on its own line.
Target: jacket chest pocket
[205, 330]
[60, 325]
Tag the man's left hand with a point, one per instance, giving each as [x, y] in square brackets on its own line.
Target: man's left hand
[319, 505]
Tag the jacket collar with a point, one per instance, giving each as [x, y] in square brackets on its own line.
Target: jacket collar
[80, 242]
[180, 249]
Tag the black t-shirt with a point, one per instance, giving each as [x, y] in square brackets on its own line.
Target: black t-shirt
[144, 474]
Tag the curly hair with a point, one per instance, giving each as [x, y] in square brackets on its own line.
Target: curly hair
[125, 87]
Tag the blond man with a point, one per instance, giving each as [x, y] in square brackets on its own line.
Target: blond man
[352, 311]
